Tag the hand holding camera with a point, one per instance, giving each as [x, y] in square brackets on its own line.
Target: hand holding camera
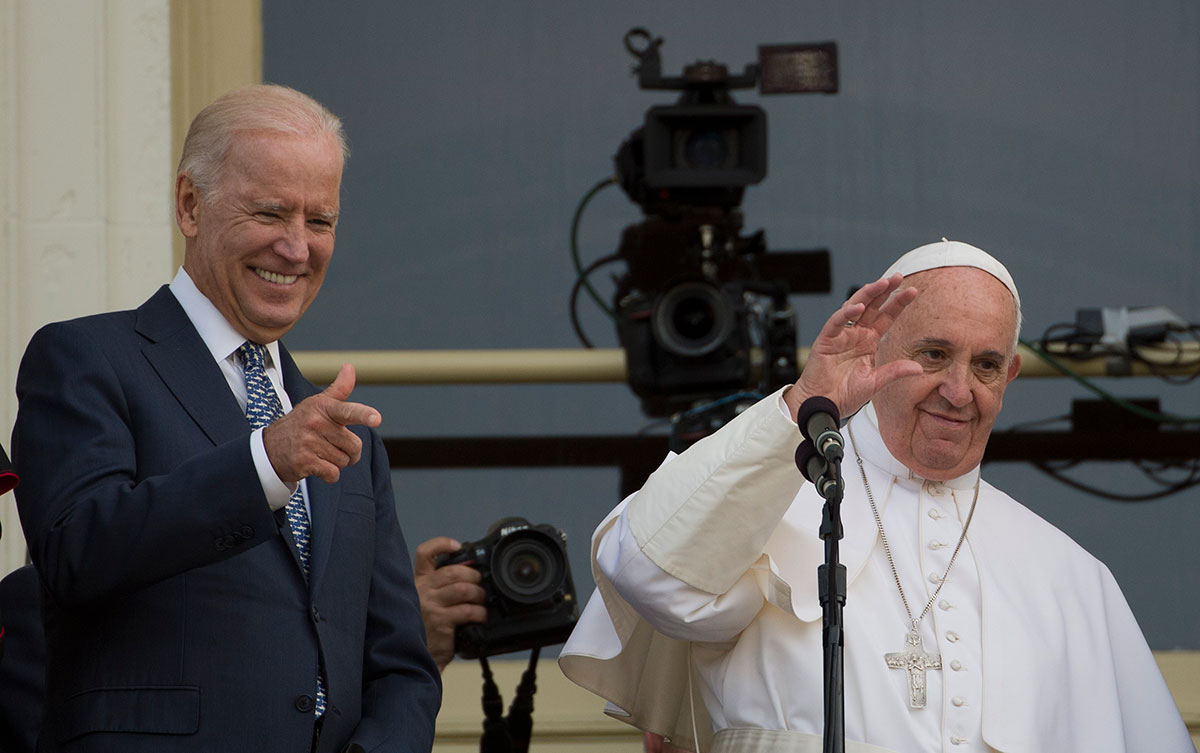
[527, 589]
[450, 596]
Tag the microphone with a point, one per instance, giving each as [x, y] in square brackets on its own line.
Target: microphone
[818, 420]
[817, 470]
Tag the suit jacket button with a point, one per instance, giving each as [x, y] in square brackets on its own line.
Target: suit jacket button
[247, 531]
[305, 703]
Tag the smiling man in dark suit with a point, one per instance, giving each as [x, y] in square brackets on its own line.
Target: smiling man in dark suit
[222, 565]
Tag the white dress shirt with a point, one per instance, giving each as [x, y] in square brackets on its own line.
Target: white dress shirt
[223, 341]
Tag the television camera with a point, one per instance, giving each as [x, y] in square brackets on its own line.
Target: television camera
[702, 310]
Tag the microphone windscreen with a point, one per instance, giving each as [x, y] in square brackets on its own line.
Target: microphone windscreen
[806, 454]
[810, 408]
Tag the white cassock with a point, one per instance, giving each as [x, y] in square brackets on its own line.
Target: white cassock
[712, 566]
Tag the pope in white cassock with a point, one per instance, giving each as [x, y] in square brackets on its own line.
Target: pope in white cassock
[971, 623]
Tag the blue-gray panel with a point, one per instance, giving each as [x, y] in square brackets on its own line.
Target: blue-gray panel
[1062, 139]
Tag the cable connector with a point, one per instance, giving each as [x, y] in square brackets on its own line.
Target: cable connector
[1120, 327]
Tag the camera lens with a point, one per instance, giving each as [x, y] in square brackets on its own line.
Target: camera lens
[692, 319]
[527, 570]
[705, 149]
[527, 567]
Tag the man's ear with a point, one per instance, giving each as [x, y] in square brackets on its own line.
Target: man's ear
[1014, 367]
[187, 206]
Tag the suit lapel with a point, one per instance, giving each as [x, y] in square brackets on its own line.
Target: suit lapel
[179, 357]
[322, 501]
[322, 497]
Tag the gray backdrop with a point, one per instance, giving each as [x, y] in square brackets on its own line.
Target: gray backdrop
[1060, 136]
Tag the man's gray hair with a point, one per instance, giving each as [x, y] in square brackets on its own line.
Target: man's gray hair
[261, 107]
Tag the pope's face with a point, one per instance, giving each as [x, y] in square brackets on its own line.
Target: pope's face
[960, 330]
[260, 248]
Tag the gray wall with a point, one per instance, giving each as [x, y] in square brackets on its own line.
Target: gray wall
[1063, 137]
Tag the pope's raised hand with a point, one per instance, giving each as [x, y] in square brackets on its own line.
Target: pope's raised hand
[312, 440]
[841, 364]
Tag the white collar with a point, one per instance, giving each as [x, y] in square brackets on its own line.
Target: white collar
[219, 336]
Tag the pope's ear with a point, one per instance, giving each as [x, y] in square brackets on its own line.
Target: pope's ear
[187, 205]
[1014, 367]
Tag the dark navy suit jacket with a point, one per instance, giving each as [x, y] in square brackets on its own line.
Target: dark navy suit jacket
[23, 663]
[177, 616]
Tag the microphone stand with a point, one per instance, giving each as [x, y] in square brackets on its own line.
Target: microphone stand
[831, 579]
[819, 458]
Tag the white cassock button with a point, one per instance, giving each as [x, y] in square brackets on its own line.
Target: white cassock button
[935, 545]
[935, 578]
[958, 700]
[944, 605]
[952, 636]
[958, 740]
[956, 665]
[933, 513]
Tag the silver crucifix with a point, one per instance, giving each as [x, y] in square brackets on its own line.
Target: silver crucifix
[914, 659]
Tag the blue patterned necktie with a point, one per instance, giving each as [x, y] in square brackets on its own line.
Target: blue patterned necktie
[263, 407]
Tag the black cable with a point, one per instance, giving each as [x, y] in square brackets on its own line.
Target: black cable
[1057, 475]
[1080, 345]
[1174, 341]
[574, 298]
[1068, 342]
[1148, 468]
[1155, 470]
[579, 272]
[1165, 418]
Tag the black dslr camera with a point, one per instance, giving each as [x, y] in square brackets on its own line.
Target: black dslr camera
[530, 596]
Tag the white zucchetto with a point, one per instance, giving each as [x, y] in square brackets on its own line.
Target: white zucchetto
[946, 253]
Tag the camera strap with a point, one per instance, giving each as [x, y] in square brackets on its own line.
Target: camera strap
[509, 734]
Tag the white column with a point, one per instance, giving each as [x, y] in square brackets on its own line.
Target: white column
[85, 139]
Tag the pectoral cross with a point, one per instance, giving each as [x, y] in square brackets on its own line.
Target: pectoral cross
[914, 659]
